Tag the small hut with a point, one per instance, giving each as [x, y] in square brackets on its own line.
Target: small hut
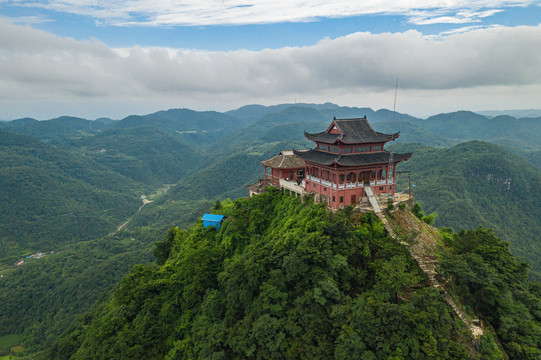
[212, 220]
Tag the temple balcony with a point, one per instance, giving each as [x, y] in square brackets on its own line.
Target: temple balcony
[348, 185]
[292, 186]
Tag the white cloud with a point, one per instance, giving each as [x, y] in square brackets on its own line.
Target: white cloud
[459, 17]
[38, 67]
[237, 12]
[25, 20]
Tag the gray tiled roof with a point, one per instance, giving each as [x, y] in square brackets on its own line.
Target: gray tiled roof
[285, 160]
[352, 131]
[325, 158]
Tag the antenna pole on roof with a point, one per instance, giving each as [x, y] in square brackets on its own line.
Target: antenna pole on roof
[390, 174]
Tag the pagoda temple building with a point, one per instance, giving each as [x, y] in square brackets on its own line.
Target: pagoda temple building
[348, 158]
[286, 166]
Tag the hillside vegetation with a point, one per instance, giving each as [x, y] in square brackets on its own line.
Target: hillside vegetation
[49, 197]
[481, 184]
[45, 296]
[286, 279]
[70, 183]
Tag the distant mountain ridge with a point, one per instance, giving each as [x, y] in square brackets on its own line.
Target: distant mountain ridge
[533, 113]
[447, 129]
[480, 184]
[50, 197]
[211, 155]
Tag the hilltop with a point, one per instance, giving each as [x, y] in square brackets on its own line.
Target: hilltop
[54, 189]
[288, 279]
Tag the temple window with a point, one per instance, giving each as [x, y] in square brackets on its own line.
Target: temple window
[346, 150]
[359, 149]
[334, 149]
[376, 148]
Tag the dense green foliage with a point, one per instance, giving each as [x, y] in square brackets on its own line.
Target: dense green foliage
[87, 179]
[49, 197]
[54, 130]
[495, 284]
[7, 342]
[149, 155]
[282, 279]
[479, 184]
[461, 126]
[46, 295]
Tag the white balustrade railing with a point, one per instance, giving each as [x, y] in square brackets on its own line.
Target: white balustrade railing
[292, 186]
[347, 185]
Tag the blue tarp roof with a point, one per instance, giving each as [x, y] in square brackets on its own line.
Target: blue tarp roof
[212, 217]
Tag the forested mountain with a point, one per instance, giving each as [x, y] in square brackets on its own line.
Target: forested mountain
[481, 184]
[258, 111]
[43, 297]
[521, 134]
[534, 157]
[288, 279]
[49, 196]
[88, 177]
[149, 155]
[55, 130]
[182, 120]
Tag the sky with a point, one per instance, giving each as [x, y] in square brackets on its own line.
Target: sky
[97, 58]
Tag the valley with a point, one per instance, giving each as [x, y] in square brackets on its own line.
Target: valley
[75, 187]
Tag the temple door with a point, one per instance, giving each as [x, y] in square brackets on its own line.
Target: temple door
[365, 175]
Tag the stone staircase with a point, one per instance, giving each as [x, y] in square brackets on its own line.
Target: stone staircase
[372, 199]
[428, 266]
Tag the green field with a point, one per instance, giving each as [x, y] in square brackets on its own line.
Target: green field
[7, 342]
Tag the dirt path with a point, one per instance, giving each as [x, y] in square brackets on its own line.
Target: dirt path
[145, 201]
[422, 251]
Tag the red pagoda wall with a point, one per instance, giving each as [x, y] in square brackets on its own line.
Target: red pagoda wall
[276, 174]
[327, 182]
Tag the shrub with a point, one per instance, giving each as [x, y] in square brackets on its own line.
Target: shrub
[390, 205]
